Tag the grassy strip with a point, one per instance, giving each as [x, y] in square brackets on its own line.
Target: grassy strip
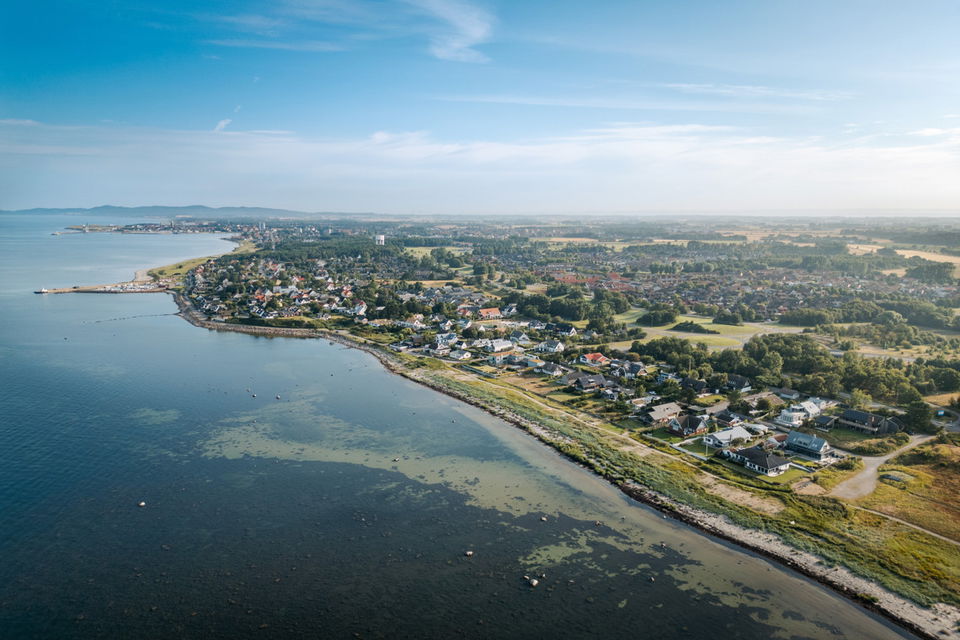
[179, 269]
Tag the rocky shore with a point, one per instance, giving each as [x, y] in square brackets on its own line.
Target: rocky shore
[938, 621]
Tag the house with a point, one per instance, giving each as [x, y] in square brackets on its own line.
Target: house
[663, 376]
[727, 418]
[536, 325]
[497, 345]
[629, 370]
[737, 383]
[662, 413]
[551, 369]
[758, 429]
[687, 425]
[787, 394]
[446, 339]
[763, 462]
[797, 414]
[699, 387]
[498, 358]
[584, 382]
[519, 337]
[725, 438]
[509, 310]
[459, 354]
[566, 329]
[491, 313]
[594, 359]
[868, 422]
[807, 445]
[550, 346]
[824, 423]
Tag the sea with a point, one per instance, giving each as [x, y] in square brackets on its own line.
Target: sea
[296, 489]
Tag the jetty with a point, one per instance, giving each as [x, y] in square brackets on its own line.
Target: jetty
[133, 286]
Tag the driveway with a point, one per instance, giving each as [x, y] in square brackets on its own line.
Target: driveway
[863, 484]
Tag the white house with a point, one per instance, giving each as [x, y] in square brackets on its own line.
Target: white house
[550, 346]
[725, 438]
[796, 414]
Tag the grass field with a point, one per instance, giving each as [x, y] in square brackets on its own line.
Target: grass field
[419, 252]
[923, 487]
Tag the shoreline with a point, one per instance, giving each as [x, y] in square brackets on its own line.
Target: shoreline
[939, 621]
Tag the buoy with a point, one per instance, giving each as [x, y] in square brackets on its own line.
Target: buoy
[469, 554]
[141, 504]
[278, 396]
[254, 395]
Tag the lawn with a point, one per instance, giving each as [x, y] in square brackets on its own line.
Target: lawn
[560, 396]
[666, 436]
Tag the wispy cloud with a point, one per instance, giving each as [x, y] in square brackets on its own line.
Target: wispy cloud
[464, 26]
[222, 124]
[755, 91]
[284, 45]
[18, 122]
[629, 104]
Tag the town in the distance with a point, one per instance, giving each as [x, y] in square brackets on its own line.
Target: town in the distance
[800, 376]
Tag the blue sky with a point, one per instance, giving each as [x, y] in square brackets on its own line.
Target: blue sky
[457, 106]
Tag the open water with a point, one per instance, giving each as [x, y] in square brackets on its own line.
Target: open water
[342, 509]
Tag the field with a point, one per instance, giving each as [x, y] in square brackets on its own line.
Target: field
[726, 336]
[419, 252]
[922, 487]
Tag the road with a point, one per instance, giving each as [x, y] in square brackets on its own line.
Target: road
[863, 484]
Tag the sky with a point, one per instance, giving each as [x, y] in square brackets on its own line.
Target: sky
[482, 107]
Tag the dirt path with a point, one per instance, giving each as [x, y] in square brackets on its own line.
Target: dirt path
[863, 484]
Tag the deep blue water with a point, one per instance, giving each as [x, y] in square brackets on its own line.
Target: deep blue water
[292, 517]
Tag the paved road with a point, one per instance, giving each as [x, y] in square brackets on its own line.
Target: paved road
[863, 484]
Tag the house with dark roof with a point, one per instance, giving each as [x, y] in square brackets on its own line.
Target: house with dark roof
[727, 418]
[761, 461]
[824, 423]
[807, 445]
[661, 413]
[869, 422]
[737, 383]
[584, 382]
[699, 387]
[566, 329]
[551, 369]
[687, 425]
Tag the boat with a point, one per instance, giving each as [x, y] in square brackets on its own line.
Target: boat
[40, 291]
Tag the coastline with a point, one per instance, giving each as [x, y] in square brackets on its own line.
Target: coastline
[938, 621]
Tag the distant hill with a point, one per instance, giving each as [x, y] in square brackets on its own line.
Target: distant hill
[189, 211]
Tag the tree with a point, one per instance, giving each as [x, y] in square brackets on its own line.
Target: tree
[917, 417]
[859, 399]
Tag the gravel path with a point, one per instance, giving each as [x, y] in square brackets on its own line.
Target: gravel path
[863, 484]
